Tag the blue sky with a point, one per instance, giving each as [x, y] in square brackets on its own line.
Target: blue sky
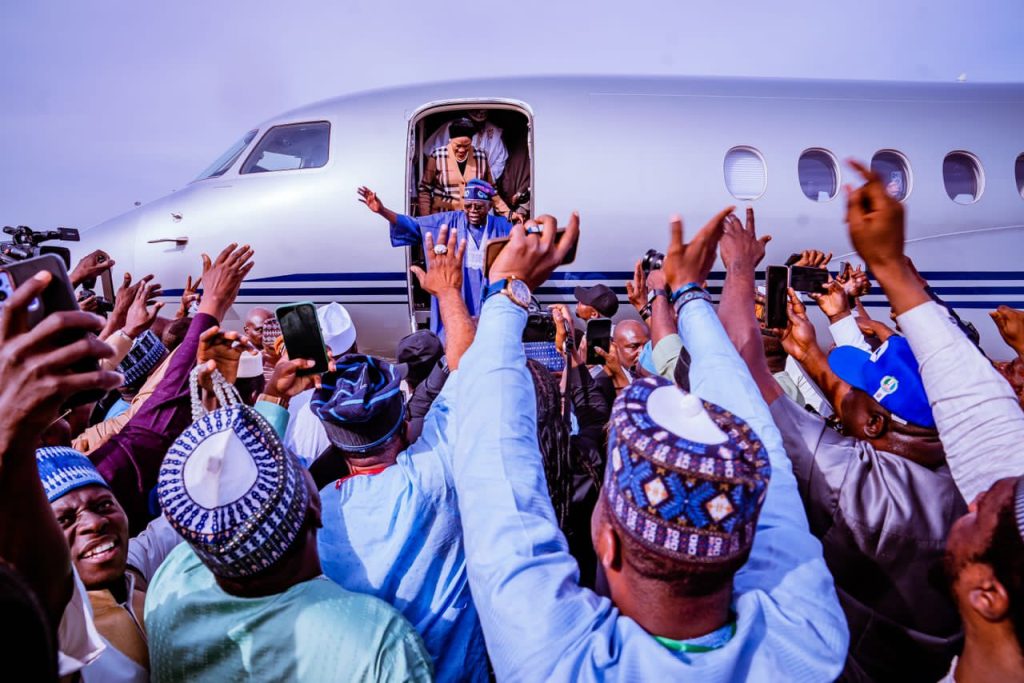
[106, 103]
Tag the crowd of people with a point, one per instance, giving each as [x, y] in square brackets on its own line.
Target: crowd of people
[698, 495]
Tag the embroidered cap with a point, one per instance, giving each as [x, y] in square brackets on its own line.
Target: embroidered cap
[360, 404]
[480, 190]
[1018, 504]
[685, 478]
[889, 375]
[146, 354]
[231, 490]
[63, 469]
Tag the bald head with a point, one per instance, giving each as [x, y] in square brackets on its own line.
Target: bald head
[630, 337]
[253, 327]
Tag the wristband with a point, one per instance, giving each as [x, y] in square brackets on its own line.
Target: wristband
[691, 294]
[645, 312]
[688, 287]
[276, 400]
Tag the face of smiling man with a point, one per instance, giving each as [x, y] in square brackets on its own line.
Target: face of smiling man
[96, 529]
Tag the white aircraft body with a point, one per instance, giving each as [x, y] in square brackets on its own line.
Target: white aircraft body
[626, 153]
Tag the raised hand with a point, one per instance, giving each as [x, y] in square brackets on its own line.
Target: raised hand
[285, 382]
[444, 271]
[686, 263]
[1010, 323]
[876, 222]
[223, 349]
[369, 197]
[812, 258]
[90, 267]
[612, 365]
[189, 296]
[140, 318]
[37, 368]
[223, 278]
[834, 302]
[855, 281]
[565, 333]
[741, 249]
[799, 340]
[636, 290]
[875, 328]
[532, 257]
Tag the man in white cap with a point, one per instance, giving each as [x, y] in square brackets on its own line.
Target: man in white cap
[244, 598]
[306, 436]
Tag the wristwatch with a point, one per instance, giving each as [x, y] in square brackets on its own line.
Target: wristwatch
[515, 289]
[278, 400]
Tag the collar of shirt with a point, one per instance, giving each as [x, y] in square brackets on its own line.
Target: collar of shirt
[705, 643]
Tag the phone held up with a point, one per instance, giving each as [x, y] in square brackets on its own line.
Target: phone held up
[58, 296]
[599, 336]
[302, 336]
[494, 247]
[780, 278]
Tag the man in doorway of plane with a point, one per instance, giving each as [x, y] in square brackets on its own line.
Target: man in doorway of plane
[474, 225]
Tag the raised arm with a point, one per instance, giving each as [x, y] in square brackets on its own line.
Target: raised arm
[443, 279]
[130, 461]
[741, 251]
[524, 581]
[980, 422]
[786, 563]
[35, 381]
[374, 204]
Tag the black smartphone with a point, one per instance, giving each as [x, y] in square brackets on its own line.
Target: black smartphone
[107, 285]
[599, 336]
[495, 246]
[776, 282]
[804, 279]
[302, 336]
[58, 296]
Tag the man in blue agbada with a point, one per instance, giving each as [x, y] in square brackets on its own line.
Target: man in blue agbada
[700, 532]
[475, 225]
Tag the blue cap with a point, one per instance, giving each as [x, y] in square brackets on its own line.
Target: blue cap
[63, 469]
[889, 375]
[480, 190]
[361, 404]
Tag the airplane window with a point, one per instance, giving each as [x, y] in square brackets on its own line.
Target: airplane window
[819, 175]
[894, 169]
[961, 172]
[227, 159]
[1018, 171]
[745, 173]
[290, 147]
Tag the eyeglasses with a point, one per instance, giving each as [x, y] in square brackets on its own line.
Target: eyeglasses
[477, 203]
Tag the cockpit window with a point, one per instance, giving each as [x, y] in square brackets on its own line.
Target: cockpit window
[227, 159]
[290, 147]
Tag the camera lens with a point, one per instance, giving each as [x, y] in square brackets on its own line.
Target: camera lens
[3, 295]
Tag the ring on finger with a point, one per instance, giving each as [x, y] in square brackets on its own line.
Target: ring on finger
[534, 230]
[440, 249]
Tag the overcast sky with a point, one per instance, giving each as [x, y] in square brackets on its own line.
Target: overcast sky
[105, 103]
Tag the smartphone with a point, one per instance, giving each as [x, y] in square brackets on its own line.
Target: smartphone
[599, 336]
[107, 285]
[495, 246]
[58, 296]
[775, 295]
[302, 336]
[804, 279]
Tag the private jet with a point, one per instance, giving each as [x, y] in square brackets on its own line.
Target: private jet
[626, 152]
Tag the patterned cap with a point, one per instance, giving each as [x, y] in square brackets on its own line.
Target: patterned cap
[63, 469]
[480, 190]
[231, 490]
[361, 403]
[1018, 504]
[691, 491]
[145, 355]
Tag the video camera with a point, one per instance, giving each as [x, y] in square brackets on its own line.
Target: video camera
[653, 260]
[25, 244]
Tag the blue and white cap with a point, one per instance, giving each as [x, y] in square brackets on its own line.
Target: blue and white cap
[231, 490]
[146, 354]
[63, 469]
[890, 375]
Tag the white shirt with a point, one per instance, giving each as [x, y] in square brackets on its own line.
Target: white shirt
[808, 389]
[846, 332]
[980, 422]
[305, 436]
[488, 139]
